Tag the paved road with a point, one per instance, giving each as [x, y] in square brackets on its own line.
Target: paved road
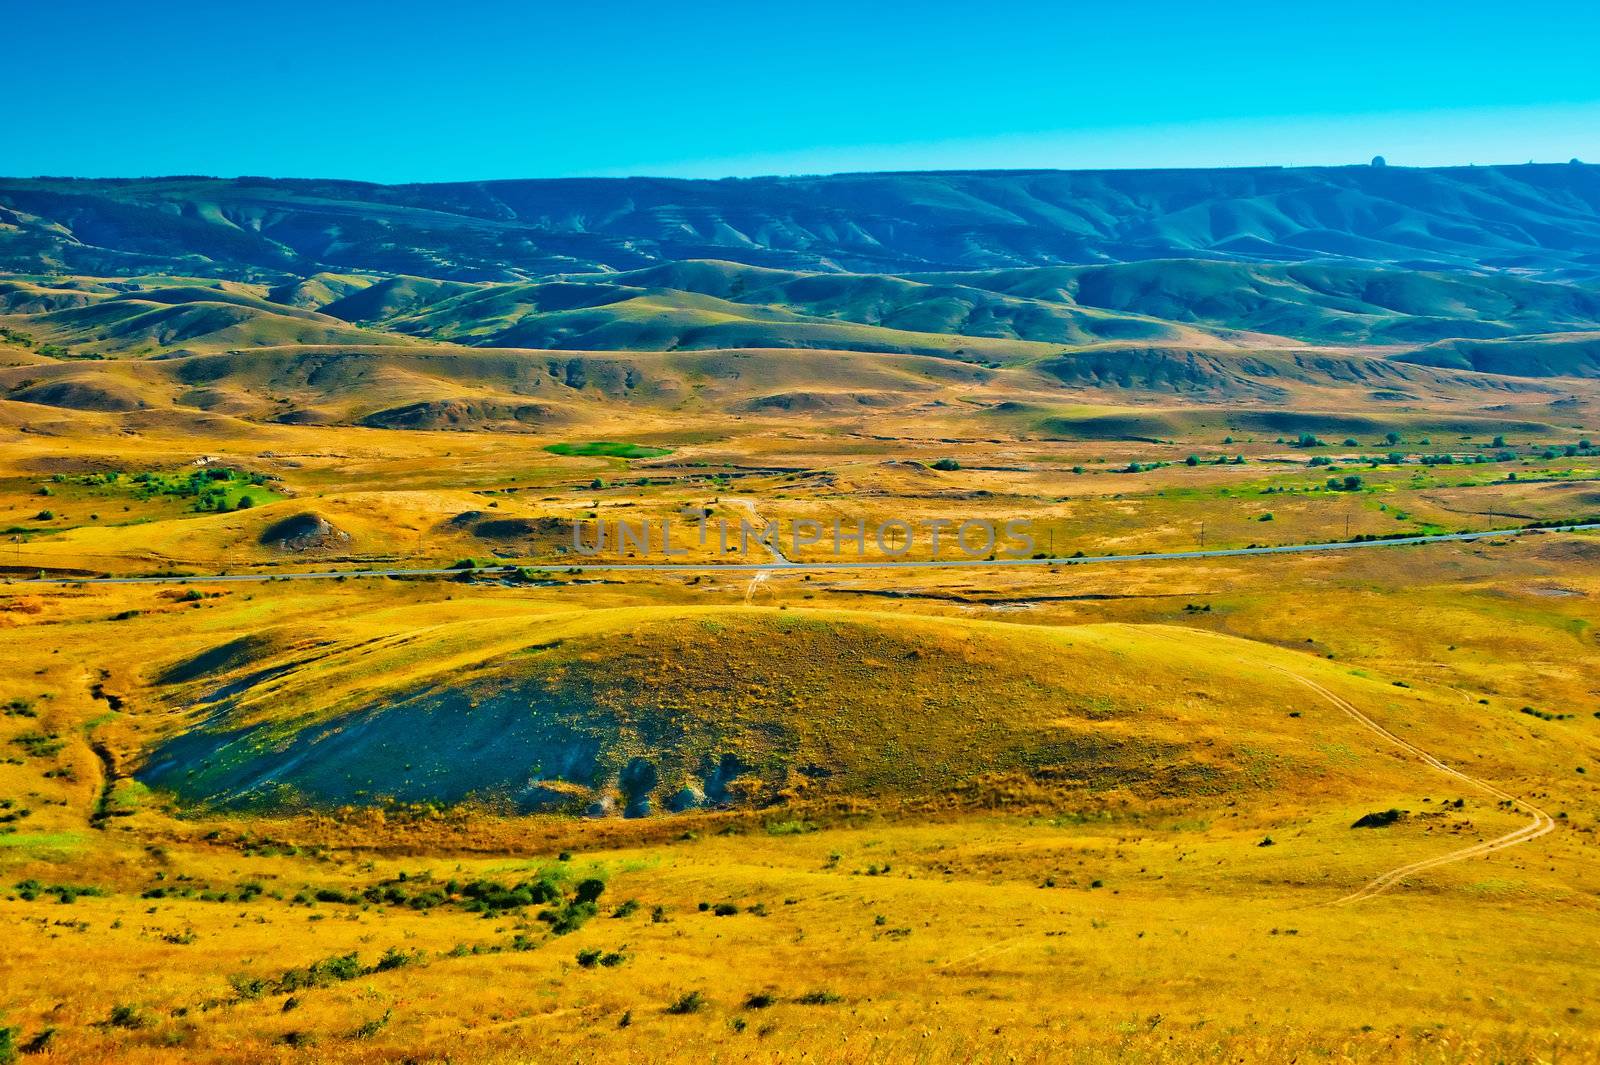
[786, 566]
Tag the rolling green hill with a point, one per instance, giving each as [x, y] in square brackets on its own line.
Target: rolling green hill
[1166, 304]
[96, 320]
[1556, 355]
[1311, 302]
[656, 311]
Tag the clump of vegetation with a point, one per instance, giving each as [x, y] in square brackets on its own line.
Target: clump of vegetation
[487, 896]
[691, 1002]
[324, 973]
[609, 959]
[29, 890]
[126, 1016]
[947, 465]
[577, 910]
[212, 489]
[1543, 715]
[1380, 819]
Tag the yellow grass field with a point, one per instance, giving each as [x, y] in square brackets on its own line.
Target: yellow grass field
[1082, 813]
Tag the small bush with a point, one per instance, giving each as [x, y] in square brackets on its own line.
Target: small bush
[1380, 819]
[820, 997]
[246, 986]
[125, 1016]
[569, 918]
[692, 1002]
[395, 958]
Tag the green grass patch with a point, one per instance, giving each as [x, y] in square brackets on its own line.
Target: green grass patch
[42, 844]
[607, 449]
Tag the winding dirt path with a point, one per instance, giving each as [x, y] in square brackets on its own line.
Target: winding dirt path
[1541, 823]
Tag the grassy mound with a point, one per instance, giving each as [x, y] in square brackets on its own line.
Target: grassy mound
[303, 532]
[645, 710]
[82, 393]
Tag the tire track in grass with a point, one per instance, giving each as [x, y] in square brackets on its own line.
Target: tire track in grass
[1540, 825]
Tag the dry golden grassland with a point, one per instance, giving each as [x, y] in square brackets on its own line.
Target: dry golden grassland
[1081, 813]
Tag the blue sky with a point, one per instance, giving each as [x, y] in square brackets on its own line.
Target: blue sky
[408, 91]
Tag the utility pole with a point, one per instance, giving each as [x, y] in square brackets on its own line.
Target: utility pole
[1202, 536]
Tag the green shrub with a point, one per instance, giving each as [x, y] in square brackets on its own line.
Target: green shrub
[395, 958]
[692, 1002]
[125, 1016]
[246, 986]
[570, 918]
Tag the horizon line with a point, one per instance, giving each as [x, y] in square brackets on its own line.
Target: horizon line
[1374, 164]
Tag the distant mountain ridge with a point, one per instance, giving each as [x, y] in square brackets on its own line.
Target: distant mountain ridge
[1539, 220]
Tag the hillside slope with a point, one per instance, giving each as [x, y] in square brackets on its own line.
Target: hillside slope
[1317, 303]
[647, 710]
[1543, 219]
